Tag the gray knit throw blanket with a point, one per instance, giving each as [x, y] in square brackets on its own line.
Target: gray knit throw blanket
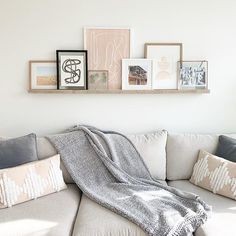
[109, 170]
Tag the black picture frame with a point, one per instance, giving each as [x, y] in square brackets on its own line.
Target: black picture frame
[74, 68]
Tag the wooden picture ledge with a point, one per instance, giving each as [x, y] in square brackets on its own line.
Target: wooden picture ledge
[118, 91]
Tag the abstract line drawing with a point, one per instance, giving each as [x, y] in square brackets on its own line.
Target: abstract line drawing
[71, 66]
[106, 49]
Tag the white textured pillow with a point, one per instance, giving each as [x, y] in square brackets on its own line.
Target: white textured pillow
[152, 147]
[215, 174]
[30, 181]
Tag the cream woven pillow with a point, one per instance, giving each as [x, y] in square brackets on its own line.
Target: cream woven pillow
[30, 181]
[215, 174]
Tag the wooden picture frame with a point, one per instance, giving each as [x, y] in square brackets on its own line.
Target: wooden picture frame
[72, 69]
[194, 75]
[165, 57]
[42, 75]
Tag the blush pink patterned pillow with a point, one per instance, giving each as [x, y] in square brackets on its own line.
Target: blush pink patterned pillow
[30, 181]
[215, 174]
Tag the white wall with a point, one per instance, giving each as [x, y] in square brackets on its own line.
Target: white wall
[32, 29]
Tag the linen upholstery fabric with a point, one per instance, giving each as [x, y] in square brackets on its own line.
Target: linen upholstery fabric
[182, 153]
[30, 181]
[215, 174]
[51, 215]
[223, 218]
[109, 170]
[152, 147]
[18, 151]
[96, 220]
[45, 150]
[226, 148]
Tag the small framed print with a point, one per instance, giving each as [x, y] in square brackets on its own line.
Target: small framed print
[193, 74]
[42, 75]
[136, 74]
[97, 79]
[72, 69]
[165, 57]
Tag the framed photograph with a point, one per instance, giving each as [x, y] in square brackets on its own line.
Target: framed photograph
[106, 49]
[193, 74]
[97, 79]
[165, 59]
[42, 75]
[136, 74]
[72, 69]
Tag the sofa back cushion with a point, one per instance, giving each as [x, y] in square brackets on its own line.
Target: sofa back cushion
[45, 150]
[182, 152]
[152, 147]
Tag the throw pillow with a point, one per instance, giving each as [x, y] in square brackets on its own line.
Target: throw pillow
[215, 174]
[227, 148]
[30, 181]
[18, 151]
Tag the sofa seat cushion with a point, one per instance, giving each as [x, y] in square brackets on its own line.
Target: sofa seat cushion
[222, 221]
[50, 215]
[96, 220]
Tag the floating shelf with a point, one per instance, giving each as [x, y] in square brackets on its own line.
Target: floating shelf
[119, 91]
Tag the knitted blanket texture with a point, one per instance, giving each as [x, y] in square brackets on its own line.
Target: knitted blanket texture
[109, 170]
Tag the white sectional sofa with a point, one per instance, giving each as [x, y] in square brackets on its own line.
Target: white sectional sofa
[170, 158]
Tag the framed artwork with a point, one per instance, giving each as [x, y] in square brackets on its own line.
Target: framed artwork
[136, 74]
[42, 75]
[72, 69]
[97, 79]
[106, 49]
[165, 59]
[193, 74]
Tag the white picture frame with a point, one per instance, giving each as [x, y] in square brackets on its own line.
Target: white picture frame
[165, 58]
[137, 74]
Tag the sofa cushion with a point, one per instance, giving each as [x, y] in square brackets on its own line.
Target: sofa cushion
[182, 152]
[227, 148]
[96, 220]
[222, 221]
[45, 150]
[50, 215]
[30, 181]
[215, 174]
[152, 147]
[18, 151]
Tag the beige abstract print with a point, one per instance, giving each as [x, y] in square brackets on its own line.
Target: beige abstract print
[106, 48]
[215, 174]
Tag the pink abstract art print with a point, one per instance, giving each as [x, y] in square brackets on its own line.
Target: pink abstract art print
[106, 49]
